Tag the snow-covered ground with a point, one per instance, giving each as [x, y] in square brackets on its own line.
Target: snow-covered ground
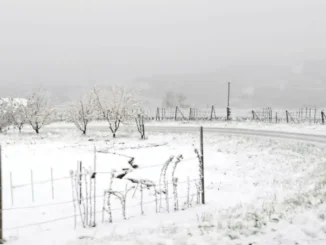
[258, 191]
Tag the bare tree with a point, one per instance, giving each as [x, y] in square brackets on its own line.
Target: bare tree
[82, 113]
[17, 112]
[115, 105]
[140, 125]
[38, 111]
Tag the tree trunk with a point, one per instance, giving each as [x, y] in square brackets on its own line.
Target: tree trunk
[113, 135]
[20, 129]
[37, 130]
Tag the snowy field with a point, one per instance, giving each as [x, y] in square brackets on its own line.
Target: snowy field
[258, 190]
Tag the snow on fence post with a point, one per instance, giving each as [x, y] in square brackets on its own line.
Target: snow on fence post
[11, 190]
[32, 185]
[202, 163]
[80, 182]
[73, 198]
[52, 185]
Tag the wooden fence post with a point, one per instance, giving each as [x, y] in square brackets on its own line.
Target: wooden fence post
[176, 113]
[287, 116]
[212, 113]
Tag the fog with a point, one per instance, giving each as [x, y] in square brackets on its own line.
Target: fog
[273, 52]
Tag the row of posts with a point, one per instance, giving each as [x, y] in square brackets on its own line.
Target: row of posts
[162, 113]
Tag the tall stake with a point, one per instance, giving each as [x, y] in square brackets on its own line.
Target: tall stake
[80, 182]
[202, 164]
[176, 113]
[1, 220]
[229, 91]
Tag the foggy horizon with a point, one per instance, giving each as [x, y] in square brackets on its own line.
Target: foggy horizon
[271, 52]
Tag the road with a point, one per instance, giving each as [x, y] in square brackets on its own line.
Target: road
[313, 138]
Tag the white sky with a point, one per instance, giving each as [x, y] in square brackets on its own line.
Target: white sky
[79, 42]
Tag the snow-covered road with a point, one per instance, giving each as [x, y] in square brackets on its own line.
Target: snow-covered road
[301, 135]
[314, 138]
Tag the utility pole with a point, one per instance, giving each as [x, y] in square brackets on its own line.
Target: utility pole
[228, 111]
[229, 91]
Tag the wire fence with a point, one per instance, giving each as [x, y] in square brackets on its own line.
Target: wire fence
[75, 200]
[107, 172]
[312, 115]
[74, 215]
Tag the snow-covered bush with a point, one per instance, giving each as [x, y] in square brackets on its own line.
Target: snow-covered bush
[116, 105]
[38, 111]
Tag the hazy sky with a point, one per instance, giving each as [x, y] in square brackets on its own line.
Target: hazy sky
[76, 42]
